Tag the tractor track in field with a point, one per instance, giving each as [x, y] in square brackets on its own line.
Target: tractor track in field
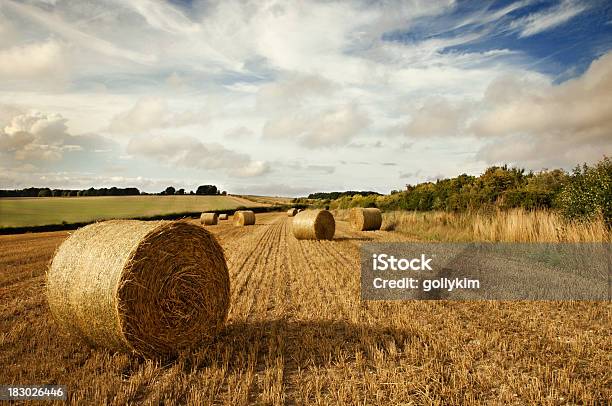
[249, 263]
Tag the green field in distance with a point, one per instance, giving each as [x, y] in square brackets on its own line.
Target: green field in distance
[38, 211]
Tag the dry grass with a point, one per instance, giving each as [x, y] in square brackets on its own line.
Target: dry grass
[297, 333]
[273, 200]
[508, 226]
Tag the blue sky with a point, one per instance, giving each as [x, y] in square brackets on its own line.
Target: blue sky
[562, 51]
[287, 98]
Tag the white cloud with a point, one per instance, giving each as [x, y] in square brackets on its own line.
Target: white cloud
[37, 137]
[294, 91]
[320, 129]
[54, 23]
[147, 113]
[327, 169]
[153, 112]
[162, 16]
[32, 60]
[237, 133]
[550, 18]
[273, 189]
[189, 152]
[542, 124]
[437, 117]
[255, 168]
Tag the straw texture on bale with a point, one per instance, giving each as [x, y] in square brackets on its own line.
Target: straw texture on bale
[244, 218]
[153, 288]
[314, 225]
[223, 216]
[292, 212]
[365, 219]
[209, 219]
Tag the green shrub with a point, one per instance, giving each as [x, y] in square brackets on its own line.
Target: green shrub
[588, 192]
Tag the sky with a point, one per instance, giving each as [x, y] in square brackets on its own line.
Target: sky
[288, 98]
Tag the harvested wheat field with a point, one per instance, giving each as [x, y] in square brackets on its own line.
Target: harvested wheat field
[297, 333]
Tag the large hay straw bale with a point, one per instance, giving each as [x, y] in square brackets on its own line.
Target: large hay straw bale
[223, 216]
[153, 288]
[314, 225]
[365, 219]
[209, 219]
[244, 218]
[292, 212]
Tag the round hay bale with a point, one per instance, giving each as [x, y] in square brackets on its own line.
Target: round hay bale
[153, 287]
[244, 218]
[314, 225]
[209, 219]
[365, 219]
[292, 212]
[223, 216]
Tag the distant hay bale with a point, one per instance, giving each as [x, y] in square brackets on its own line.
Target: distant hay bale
[209, 219]
[292, 212]
[153, 288]
[244, 218]
[300, 210]
[223, 216]
[314, 225]
[368, 219]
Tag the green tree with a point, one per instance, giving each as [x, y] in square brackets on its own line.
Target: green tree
[588, 192]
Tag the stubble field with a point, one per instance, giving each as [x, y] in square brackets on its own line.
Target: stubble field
[297, 333]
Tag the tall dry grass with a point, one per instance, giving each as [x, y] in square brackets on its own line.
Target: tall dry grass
[509, 226]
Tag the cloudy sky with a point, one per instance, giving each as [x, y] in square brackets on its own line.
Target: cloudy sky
[286, 98]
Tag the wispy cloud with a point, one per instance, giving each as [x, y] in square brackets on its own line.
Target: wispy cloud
[550, 18]
[56, 25]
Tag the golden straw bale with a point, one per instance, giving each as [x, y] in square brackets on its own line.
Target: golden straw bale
[292, 212]
[244, 218]
[223, 216]
[365, 219]
[209, 219]
[153, 288]
[314, 225]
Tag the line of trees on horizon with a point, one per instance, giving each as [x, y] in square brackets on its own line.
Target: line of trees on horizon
[112, 191]
[208, 190]
[336, 195]
[582, 194]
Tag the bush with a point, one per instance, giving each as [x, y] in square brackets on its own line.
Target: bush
[588, 193]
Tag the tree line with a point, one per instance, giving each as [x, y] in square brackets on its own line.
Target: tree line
[112, 191]
[582, 193]
[336, 195]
